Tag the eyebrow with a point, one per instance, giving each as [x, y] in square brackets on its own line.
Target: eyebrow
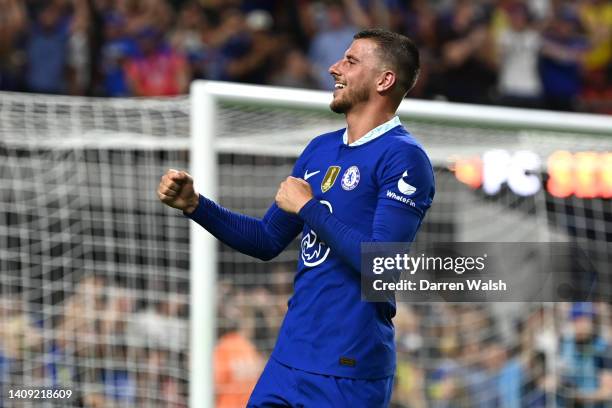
[352, 57]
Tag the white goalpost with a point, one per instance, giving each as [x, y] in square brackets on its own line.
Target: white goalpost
[203, 251]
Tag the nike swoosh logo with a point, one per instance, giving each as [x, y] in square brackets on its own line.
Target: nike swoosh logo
[308, 175]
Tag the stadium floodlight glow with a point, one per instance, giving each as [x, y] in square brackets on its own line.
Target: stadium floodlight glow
[580, 174]
[518, 169]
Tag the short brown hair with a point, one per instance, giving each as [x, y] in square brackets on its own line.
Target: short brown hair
[399, 51]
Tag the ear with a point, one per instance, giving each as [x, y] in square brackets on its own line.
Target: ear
[385, 81]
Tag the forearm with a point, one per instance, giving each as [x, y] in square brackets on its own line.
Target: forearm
[382, 16]
[394, 225]
[599, 395]
[263, 239]
[602, 394]
[456, 53]
[356, 14]
[81, 16]
[560, 52]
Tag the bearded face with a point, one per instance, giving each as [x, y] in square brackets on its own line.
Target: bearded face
[347, 96]
[354, 76]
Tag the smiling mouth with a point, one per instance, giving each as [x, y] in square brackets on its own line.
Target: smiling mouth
[339, 86]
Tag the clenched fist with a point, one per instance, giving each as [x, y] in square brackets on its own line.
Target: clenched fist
[176, 190]
[292, 194]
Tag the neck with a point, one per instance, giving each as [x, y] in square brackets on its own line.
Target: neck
[361, 121]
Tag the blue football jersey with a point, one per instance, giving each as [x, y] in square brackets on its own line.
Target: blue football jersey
[376, 189]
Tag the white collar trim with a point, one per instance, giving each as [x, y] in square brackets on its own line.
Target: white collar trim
[372, 134]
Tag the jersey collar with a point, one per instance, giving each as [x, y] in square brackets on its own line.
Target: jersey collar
[372, 134]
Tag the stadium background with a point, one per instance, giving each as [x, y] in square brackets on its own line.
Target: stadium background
[94, 277]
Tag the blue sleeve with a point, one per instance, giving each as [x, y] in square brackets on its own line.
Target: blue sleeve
[405, 193]
[261, 238]
[603, 359]
[407, 180]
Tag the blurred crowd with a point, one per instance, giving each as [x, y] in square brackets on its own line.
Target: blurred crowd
[554, 54]
[118, 346]
[486, 356]
[109, 345]
[449, 355]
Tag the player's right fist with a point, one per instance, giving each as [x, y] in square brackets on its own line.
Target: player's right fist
[176, 190]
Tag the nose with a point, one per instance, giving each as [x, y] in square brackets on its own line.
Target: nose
[334, 69]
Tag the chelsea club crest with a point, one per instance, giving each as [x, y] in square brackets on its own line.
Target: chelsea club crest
[350, 178]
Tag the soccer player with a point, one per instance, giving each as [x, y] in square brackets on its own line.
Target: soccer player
[369, 182]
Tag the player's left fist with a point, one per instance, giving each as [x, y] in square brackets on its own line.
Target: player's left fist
[292, 194]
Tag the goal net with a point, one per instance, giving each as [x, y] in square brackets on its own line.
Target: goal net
[96, 274]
